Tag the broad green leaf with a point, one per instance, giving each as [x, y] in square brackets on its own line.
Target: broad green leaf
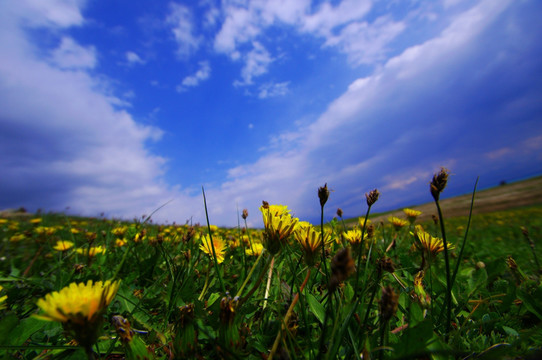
[316, 308]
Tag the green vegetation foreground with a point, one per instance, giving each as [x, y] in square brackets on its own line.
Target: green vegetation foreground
[464, 287]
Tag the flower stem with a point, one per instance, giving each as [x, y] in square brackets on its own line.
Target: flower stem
[249, 275]
[287, 316]
[448, 298]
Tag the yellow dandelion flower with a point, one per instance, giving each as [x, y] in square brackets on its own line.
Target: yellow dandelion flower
[63, 245]
[397, 222]
[411, 214]
[17, 237]
[93, 251]
[80, 308]
[45, 230]
[361, 220]
[427, 243]
[279, 225]
[120, 242]
[119, 231]
[310, 240]
[214, 228]
[35, 221]
[254, 250]
[219, 245]
[353, 236]
[2, 299]
[3, 221]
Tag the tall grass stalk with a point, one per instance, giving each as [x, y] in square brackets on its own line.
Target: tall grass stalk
[460, 256]
[448, 297]
[212, 243]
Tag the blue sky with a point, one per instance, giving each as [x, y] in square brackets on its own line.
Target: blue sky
[121, 106]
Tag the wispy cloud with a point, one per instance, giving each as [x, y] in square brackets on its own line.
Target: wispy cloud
[132, 58]
[273, 89]
[182, 25]
[363, 135]
[86, 153]
[70, 55]
[256, 63]
[202, 74]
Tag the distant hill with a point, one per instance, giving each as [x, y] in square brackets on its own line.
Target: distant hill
[503, 197]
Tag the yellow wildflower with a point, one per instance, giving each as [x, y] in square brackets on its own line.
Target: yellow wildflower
[2, 299]
[93, 251]
[397, 222]
[120, 242]
[119, 231]
[427, 243]
[35, 221]
[279, 225]
[80, 308]
[254, 250]
[17, 237]
[63, 245]
[219, 245]
[310, 240]
[353, 236]
[3, 221]
[411, 214]
[45, 230]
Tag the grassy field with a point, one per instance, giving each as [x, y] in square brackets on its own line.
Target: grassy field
[93, 288]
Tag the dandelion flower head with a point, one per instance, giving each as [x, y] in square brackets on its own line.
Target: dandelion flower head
[219, 244]
[279, 225]
[78, 303]
[63, 245]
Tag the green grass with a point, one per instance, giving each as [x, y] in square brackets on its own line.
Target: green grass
[172, 294]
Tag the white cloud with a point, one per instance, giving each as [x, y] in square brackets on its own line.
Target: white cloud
[65, 142]
[70, 55]
[329, 17]
[256, 64]
[365, 43]
[273, 89]
[407, 109]
[56, 13]
[202, 74]
[133, 58]
[182, 22]
[341, 26]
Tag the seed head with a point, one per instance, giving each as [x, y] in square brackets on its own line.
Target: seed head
[372, 197]
[323, 194]
[245, 214]
[388, 303]
[342, 266]
[438, 183]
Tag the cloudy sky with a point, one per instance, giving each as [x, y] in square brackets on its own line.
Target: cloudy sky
[122, 106]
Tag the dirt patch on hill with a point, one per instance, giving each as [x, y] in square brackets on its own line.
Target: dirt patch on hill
[503, 197]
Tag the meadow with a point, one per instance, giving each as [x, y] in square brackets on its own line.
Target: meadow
[395, 287]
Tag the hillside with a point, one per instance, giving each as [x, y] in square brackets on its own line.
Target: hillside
[521, 193]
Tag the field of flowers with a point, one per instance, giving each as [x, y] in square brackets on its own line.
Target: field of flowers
[459, 288]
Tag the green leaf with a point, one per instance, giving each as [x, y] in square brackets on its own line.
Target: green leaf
[316, 308]
[25, 329]
[530, 303]
[510, 331]
[214, 297]
[7, 324]
[415, 339]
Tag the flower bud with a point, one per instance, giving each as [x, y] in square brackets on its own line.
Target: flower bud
[323, 194]
[372, 197]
